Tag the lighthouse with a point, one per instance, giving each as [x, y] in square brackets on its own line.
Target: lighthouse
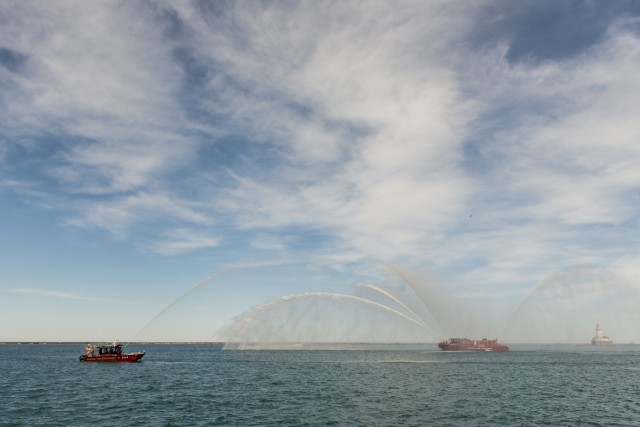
[600, 338]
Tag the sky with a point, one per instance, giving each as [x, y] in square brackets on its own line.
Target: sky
[348, 171]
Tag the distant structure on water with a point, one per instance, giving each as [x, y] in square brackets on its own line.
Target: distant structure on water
[600, 338]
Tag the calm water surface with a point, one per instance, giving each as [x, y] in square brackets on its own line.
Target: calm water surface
[191, 385]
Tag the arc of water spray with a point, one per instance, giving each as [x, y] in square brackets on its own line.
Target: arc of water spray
[409, 281]
[397, 300]
[293, 297]
[542, 285]
[550, 280]
[535, 290]
[207, 280]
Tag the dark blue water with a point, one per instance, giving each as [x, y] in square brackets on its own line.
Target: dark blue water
[191, 385]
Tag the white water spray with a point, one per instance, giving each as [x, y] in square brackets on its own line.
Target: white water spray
[323, 317]
[396, 300]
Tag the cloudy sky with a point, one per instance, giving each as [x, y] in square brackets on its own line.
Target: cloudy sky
[147, 145]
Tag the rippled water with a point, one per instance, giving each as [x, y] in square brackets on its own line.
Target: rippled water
[189, 385]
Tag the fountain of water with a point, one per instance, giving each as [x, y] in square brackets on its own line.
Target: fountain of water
[402, 311]
[322, 317]
[400, 308]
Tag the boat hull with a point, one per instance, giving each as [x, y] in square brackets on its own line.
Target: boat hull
[473, 345]
[127, 358]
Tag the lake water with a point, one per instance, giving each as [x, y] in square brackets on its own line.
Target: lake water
[191, 385]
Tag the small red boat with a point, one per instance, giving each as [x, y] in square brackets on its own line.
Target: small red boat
[465, 344]
[108, 353]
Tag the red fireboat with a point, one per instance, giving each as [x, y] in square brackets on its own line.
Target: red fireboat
[108, 353]
[465, 344]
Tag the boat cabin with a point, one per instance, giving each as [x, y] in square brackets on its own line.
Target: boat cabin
[101, 350]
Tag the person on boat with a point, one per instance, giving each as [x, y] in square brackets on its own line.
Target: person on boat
[89, 350]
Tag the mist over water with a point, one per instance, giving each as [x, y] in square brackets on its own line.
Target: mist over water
[325, 318]
[402, 308]
[394, 312]
[566, 307]
[270, 304]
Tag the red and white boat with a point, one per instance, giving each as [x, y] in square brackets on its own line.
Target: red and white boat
[465, 344]
[108, 353]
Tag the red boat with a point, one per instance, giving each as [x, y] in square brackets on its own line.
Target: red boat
[108, 353]
[465, 344]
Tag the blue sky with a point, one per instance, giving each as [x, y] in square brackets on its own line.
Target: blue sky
[293, 151]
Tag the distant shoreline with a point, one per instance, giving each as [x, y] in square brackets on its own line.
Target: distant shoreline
[122, 342]
[276, 344]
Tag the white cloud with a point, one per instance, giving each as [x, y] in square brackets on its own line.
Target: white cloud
[379, 148]
[119, 215]
[184, 240]
[377, 162]
[574, 157]
[378, 127]
[65, 295]
[553, 178]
